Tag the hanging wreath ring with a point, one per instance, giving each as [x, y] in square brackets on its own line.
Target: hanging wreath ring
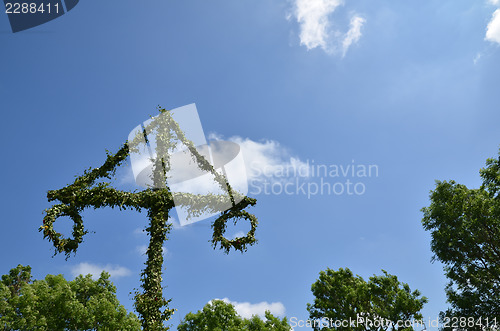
[61, 244]
[236, 213]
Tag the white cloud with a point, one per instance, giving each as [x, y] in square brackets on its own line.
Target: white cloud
[251, 164]
[312, 15]
[85, 268]
[246, 163]
[493, 28]
[261, 158]
[352, 36]
[247, 309]
[268, 160]
[316, 29]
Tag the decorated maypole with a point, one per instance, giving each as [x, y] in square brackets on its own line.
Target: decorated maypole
[92, 190]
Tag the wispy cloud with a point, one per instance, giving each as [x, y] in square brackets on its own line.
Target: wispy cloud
[477, 58]
[247, 309]
[352, 36]
[95, 270]
[316, 28]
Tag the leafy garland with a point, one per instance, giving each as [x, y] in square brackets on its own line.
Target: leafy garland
[85, 192]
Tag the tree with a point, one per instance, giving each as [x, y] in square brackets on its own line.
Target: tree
[255, 323]
[218, 315]
[465, 229]
[92, 190]
[55, 304]
[347, 302]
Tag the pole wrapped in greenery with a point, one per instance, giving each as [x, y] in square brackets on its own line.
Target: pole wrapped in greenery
[92, 190]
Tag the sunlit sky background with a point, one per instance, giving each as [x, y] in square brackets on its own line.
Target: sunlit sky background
[408, 86]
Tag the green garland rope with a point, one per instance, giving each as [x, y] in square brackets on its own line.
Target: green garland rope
[84, 192]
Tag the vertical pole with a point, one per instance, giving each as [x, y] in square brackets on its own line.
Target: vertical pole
[151, 302]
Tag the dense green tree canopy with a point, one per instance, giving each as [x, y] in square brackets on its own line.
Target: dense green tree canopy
[465, 228]
[340, 296]
[218, 315]
[54, 304]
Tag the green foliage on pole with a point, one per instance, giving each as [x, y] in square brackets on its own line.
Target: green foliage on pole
[92, 190]
[465, 229]
[54, 304]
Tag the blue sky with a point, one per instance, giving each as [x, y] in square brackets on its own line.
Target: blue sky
[408, 86]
